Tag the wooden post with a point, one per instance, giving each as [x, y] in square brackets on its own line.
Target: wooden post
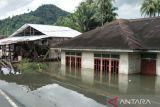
[9, 52]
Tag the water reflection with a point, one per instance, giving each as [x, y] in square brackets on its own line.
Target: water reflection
[115, 84]
[93, 84]
[32, 81]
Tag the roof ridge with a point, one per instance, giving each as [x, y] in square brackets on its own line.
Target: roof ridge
[142, 19]
[46, 25]
[128, 34]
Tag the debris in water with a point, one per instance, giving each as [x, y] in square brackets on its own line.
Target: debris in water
[8, 71]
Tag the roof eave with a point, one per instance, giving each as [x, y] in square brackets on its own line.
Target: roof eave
[97, 50]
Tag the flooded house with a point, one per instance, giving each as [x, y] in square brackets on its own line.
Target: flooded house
[122, 46]
[34, 41]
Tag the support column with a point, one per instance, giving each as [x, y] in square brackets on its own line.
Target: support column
[123, 63]
[88, 60]
[63, 58]
[158, 64]
[129, 63]
[134, 63]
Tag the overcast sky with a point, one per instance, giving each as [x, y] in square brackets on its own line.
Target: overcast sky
[127, 8]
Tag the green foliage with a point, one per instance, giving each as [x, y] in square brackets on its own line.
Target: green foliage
[68, 21]
[89, 15]
[26, 66]
[106, 11]
[150, 8]
[46, 14]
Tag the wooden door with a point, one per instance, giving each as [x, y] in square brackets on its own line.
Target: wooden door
[148, 66]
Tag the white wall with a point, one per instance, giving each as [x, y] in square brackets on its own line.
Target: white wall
[0, 53]
[134, 63]
[158, 64]
[63, 58]
[129, 63]
[123, 63]
[88, 60]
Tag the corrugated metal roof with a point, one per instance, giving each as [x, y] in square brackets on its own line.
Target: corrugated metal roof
[11, 40]
[49, 30]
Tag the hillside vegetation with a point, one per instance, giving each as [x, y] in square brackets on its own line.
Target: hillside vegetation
[46, 14]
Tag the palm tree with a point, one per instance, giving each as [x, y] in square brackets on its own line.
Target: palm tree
[158, 7]
[106, 10]
[85, 15]
[149, 8]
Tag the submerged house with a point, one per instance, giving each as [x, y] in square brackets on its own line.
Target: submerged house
[122, 46]
[35, 41]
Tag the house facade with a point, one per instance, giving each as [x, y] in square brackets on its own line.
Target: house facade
[122, 46]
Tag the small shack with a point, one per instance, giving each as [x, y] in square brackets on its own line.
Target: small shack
[35, 41]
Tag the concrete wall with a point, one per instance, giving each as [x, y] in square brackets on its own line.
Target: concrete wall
[123, 63]
[0, 53]
[63, 59]
[134, 63]
[88, 60]
[129, 63]
[158, 64]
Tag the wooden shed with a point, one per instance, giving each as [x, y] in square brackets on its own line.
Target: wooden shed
[35, 41]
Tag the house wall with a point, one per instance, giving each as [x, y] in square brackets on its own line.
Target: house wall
[0, 53]
[54, 41]
[158, 64]
[134, 63]
[63, 59]
[124, 63]
[129, 63]
[88, 60]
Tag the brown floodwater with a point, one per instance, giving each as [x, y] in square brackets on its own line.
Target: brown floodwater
[77, 87]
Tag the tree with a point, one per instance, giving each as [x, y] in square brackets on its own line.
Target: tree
[91, 14]
[68, 21]
[149, 8]
[158, 7]
[106, 11]
[46, 14]
[85, 15]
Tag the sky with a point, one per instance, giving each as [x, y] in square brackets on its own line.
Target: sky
[127, 9]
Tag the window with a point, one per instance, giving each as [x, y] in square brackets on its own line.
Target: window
[106, 62]
[97, 64]
[149, 56]
[73, 59]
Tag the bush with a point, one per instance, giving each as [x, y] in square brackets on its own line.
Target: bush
[26, 66]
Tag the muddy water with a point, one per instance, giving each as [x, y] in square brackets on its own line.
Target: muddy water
[59, 86]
